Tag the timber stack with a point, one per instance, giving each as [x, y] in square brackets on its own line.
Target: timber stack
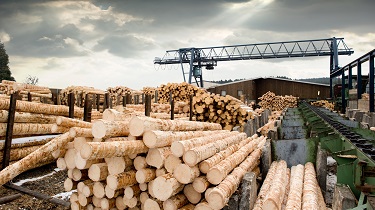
[180, 92]
[37, 92]
[32, 119]
[149, 91]
[116, 94]
[324, 103]
[295, 188]
[225, 110]
[273, 102]
[80, 93]
[156, 164]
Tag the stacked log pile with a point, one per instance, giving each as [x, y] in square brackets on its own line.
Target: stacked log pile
[225, 110]
[180, 92]
[33, 119]
[156, 164]
[324, 103]
[290, 189]
[116, 94]
[273, 102]
[149, 91]
[80, 93]
[37, 92]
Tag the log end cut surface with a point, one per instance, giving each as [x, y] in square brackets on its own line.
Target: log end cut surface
[136, 126]
[150, 139]
[98, 129]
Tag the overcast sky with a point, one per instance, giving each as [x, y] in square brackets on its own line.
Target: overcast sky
[106, 43]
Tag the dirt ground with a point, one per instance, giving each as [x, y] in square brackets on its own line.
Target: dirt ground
[49, 185]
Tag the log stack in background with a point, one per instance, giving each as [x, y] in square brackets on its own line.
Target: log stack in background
[324, 103]
[80, 93]
[277, 103]
[116, 94]
[180, 92]
[37, 92]
[157, 164]
[225, 110]
[290, 189]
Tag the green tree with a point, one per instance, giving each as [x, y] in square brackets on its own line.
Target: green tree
[4, 67]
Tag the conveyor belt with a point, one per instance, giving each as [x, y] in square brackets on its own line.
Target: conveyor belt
[361, 143]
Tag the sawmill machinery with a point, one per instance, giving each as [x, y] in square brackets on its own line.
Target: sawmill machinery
[209, 56]
[353, 149]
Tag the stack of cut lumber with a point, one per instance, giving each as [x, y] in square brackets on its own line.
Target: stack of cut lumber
[324, 103]
[225, 110]
[37, 92]
[290, 189]
[273, 102]
[80, 93]
[157, 164]
[180, 92]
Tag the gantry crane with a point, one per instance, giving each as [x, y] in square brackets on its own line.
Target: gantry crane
[209, 56]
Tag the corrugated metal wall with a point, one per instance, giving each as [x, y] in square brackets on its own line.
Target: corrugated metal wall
[253, 89]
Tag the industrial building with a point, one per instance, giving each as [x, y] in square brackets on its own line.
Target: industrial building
[255, 88]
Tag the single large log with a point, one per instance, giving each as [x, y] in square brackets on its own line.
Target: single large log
[296, 185]
[156, 156]
[196, 155]
[186, 174]
[156, 138]
[165, 186]
[81, 132]
[193, 196]
[180, 147]
[98, 172]
[25, 106]
[21, 117]
[102, 128]
[266, 186]
[219, 196]
[69, 122]
[94, 150]
[310, 191]
[276, 193]
[27, 129]
[138, 125]
[121, 180]
[175, 202]
[40, 156]
[145, 175]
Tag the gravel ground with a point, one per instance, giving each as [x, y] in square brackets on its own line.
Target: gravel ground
[49, 185]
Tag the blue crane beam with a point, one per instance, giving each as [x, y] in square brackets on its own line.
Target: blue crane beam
[209, 56]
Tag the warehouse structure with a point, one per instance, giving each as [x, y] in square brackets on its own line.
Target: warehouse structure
[255, 88]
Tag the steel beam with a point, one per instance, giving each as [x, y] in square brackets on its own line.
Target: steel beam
[371, 83]
[359, 80]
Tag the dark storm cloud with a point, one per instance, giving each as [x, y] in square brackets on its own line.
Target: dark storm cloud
[36, 32]
[124, 45]
[312, 15]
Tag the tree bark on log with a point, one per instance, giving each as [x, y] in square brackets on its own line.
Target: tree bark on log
[102, 128]
[276, 193]
[94, 150]
[156, 138]
[25, 106]
[180, 147]
[219, 196]
[296, 185]
[138, 125]
[196, 155]
[21, 117]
